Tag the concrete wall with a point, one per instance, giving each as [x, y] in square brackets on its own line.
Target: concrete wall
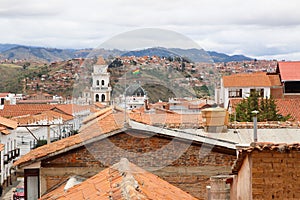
[190, 171]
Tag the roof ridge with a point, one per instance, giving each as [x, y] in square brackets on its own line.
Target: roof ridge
[129, 186]
[96, 119]
[96, 115]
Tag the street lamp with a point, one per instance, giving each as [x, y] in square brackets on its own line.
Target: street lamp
[255, 112]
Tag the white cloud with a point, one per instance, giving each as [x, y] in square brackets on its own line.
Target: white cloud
[256, 27]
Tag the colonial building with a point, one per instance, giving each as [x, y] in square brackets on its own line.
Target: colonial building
[101, 89]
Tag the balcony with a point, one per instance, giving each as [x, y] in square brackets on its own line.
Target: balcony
[17, 152]
[9, 156]
[6, 158]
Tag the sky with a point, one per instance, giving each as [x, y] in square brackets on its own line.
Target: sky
[264, 29]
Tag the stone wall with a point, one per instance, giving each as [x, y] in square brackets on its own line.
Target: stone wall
[189, 170]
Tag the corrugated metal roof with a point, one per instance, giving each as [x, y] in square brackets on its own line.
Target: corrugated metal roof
[245, 136]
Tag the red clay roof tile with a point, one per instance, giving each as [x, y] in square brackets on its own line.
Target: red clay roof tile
[105, 123]
[123, 180]
[259, 79]
[289, 71]
[8, 123]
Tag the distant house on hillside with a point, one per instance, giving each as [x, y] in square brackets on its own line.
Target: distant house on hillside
[290, 78]
[239, 86]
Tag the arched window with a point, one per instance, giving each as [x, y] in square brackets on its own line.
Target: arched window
[97, 97]
[97, 82]
[103, 97]
[102, 82]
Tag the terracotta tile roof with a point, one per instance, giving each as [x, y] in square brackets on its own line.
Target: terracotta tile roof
[99, 105]
[247, 80]
[8, 123]
[169, 120]
[274, 79]
[70, 109]
[4, 131]
[24, 109]
[45, 115]
[4, 94]
[289, 106]
[2, 147]
[106, 122]
[262, 146]
[289, 71]
[95, 115]
[123, 180]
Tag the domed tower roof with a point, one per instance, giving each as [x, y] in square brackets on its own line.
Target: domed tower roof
[135, 90]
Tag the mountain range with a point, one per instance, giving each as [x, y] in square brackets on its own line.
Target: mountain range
[43, 54]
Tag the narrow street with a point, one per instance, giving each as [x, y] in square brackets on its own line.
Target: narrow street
[8, 192]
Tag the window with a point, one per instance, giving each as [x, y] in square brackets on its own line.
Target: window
[2, 101]
[260, 92]
[98, 83]
[103, 97]
[232, 93]
[102, 82]
[292, 87]
[97, 97]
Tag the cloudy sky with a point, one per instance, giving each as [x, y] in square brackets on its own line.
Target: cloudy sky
[259, 28]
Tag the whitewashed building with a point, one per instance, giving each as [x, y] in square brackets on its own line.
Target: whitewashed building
[9, 150]
[239, 86]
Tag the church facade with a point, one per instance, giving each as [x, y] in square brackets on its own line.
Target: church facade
[101, 89]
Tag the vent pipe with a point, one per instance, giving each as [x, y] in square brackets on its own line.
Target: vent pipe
[255, 112]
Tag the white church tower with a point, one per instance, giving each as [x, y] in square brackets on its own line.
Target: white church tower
[101, 89]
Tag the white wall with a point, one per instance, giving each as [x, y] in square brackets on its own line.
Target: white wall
[10, 142]
[245, 93]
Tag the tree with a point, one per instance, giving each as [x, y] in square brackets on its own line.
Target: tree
[267, 109]
[26, 65]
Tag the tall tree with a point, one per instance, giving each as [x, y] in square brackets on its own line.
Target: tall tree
[267, 109]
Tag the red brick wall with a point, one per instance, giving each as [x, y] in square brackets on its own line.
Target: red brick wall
[189, 172]
[277, 93]
[276, 175]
